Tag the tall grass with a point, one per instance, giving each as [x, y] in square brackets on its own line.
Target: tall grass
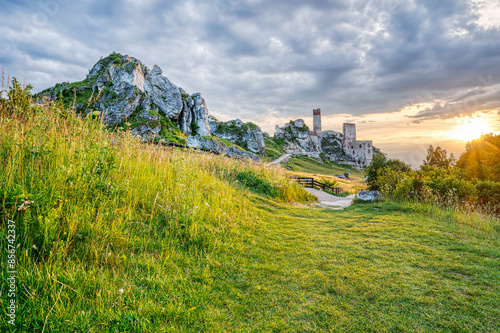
[93, 209]
[485, 222]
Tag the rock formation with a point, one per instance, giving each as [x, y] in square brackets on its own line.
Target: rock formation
[369, 195]
[219, 147]
[130, 95]
[246, 135]
[298, 139]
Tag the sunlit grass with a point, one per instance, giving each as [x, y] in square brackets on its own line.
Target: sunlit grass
[116, 223]
[115, 235]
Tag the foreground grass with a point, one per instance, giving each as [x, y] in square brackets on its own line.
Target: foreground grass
[110, 231]
[125, 237]
[378, 268]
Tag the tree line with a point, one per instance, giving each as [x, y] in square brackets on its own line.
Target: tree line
[472, 181]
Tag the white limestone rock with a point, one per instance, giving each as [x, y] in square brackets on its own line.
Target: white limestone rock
[164, 94]
[235, 152]
[369, 195]
[299, 123]
[200, 115]
[293, 130]
[205, 143]
[156, 70]
[247, 135]
[217, 146]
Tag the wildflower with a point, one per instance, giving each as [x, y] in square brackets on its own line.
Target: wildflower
[120, 291]
[26, 204]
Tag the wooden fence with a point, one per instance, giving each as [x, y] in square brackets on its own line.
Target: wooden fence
[312, 183]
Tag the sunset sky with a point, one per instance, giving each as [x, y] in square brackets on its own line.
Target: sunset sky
[408, 73]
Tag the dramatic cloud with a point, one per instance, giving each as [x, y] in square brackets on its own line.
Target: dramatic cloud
[271, 60]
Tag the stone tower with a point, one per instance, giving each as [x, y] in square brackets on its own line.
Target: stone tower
[317, 120]
[349, 131]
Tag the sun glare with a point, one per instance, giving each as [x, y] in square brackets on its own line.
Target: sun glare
[470, 128]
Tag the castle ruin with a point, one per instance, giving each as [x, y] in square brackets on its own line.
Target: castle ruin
[338, 147]
[360, 151]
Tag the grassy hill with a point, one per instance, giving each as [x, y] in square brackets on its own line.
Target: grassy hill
[303, 166]
[115, 235]
[326, 171]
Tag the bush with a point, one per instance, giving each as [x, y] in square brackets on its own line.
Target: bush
[488, 193]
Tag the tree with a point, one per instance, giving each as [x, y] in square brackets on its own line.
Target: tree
[380, 165]
[481, 159]
[437, 157]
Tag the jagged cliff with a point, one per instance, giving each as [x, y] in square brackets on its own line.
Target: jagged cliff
[127, 94]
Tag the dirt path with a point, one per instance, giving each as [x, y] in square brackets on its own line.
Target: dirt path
[331, 200]
[282, 158]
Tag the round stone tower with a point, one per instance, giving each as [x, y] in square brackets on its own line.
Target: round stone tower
[317, 120]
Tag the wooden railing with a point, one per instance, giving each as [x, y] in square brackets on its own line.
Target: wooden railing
[312, 183]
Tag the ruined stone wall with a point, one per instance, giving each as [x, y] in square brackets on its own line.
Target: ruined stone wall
[361, 152]
[349, 131]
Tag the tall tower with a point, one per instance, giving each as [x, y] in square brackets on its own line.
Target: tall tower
[349, 135]
[317, 120]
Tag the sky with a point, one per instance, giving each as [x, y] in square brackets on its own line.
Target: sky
[408, 73]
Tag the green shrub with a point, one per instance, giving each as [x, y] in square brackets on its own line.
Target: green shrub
[256, 184]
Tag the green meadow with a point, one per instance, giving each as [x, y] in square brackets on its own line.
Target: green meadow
[115, 235]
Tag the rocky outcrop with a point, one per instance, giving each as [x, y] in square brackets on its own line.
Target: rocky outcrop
[212, 144]
[205, 143]
[299, 139]
[246, 135]
[127, 91]
[369, 196]
[238, 153]
[293, 130]
[200, 115]
[331, 145]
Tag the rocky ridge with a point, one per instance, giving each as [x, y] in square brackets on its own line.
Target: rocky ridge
[129, 95]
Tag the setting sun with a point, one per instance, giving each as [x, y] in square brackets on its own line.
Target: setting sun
[469, 129]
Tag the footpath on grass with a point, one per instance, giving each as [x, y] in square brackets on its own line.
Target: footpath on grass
[282, 158]
[331, 201]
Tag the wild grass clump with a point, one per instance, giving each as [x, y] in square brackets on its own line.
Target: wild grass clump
[475, 218]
